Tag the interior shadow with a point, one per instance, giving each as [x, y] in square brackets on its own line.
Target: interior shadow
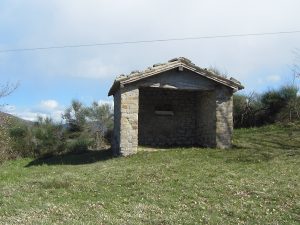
[86, 157]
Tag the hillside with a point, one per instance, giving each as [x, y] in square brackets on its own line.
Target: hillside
[8, 117]
[257, 182]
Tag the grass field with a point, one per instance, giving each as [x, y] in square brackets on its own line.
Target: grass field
[256, 182]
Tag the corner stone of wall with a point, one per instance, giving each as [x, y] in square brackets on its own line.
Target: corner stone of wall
[129, 121]
[224, 117]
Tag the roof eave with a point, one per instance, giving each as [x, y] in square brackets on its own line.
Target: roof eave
[114, 88]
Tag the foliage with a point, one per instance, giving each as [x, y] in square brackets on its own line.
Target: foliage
[48, 138]
[100, 117]
[281, 105]
[274, 101]
[21, 140]
[86, 128]
[291, 111]
[101, 113]
[257, 182]
[246, 110]
[78, 145]
[88, 125]
[75, 116]
[5, 141]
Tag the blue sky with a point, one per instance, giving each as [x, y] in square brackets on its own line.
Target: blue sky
[50, 79]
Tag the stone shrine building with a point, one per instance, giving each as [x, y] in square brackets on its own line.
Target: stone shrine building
[172, 104]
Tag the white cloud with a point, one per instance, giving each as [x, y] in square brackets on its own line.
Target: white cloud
[25, 114]
[49, 104]
[49, 108]
[8, 108]
[80, 22]
[93, 68]
[32, 115]
[46, 108]
[273, 78]
[69, 22]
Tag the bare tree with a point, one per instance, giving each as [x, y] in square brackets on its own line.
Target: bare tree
[7, 89]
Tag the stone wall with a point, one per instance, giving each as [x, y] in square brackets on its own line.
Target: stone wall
[206, 118]
[202, 117]
[129, 120]
[224, 117]
[193, 122]
[178, 129]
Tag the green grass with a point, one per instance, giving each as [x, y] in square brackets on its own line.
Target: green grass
[256, 182]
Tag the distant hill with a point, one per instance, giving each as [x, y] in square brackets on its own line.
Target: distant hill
[6, 116]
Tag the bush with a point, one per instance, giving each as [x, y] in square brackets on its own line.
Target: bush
[77, 146]
[246, 110]
[86, 128]
[5, 145]
[48, 138]
[277, 102]
[282, 105]
[21, 140]
[291, 112]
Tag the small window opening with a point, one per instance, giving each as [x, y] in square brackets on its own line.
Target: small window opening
[164, 110]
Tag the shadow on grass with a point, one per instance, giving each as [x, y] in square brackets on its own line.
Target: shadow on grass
[262, 150]
[74, 159]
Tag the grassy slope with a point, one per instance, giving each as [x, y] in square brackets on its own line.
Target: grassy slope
[257, 182]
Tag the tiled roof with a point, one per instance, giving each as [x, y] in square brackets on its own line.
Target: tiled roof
[172, 64]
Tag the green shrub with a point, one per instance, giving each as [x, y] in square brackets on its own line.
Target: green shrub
[246, 110]
[21, 140]
[48, 137]
[291, 111]
[5, 145]
[276, 102]
[281, 105]
[78, 145]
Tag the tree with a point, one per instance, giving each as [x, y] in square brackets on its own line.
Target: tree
[75, 116]
[88, 127]
[77, 132]
[100, 117]
[277, 103]
[49, 139]
[247, 110]
[7, 89]
[102, 114]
